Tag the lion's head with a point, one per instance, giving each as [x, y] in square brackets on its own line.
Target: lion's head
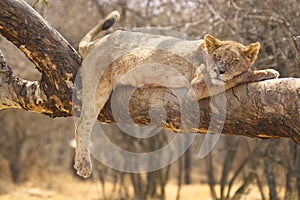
[227, 59]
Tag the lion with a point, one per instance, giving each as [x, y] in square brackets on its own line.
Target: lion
[138, 58]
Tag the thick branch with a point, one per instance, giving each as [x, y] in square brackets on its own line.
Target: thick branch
[266, 109]
[47, 49]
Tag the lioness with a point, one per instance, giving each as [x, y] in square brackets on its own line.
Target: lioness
[136, 58]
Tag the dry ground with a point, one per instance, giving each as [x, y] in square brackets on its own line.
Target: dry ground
[66, 187]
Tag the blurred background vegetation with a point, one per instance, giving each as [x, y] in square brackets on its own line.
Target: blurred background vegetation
[35, 150]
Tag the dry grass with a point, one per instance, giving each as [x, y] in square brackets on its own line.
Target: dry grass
[66, 187]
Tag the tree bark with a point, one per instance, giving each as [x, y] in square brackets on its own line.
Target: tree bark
[267, 109]
[52, 55]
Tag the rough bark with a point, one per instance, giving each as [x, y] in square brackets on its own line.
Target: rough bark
[52, 55]
[267, 109]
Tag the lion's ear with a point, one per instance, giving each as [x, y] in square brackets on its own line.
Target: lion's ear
[251, 51]
[211, 43]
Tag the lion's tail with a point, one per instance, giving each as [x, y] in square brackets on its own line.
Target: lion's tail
[103, 24]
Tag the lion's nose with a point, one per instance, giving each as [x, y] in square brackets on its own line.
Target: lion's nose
[222, 71]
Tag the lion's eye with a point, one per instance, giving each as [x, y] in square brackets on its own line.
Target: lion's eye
[217, 55]
[235, 60]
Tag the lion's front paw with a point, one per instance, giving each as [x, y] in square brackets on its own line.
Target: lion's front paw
[260, 75]
[83, 165]
[271, 73]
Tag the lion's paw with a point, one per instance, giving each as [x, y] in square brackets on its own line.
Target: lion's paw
[271, 73]
[83, 165]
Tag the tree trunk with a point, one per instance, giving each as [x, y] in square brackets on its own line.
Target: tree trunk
[297, 170]
[187, 166]
[267, 109]
[269, 169]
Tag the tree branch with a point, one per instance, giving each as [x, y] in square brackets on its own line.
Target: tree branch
[16, 92]
[267, 109]
[53, 56]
